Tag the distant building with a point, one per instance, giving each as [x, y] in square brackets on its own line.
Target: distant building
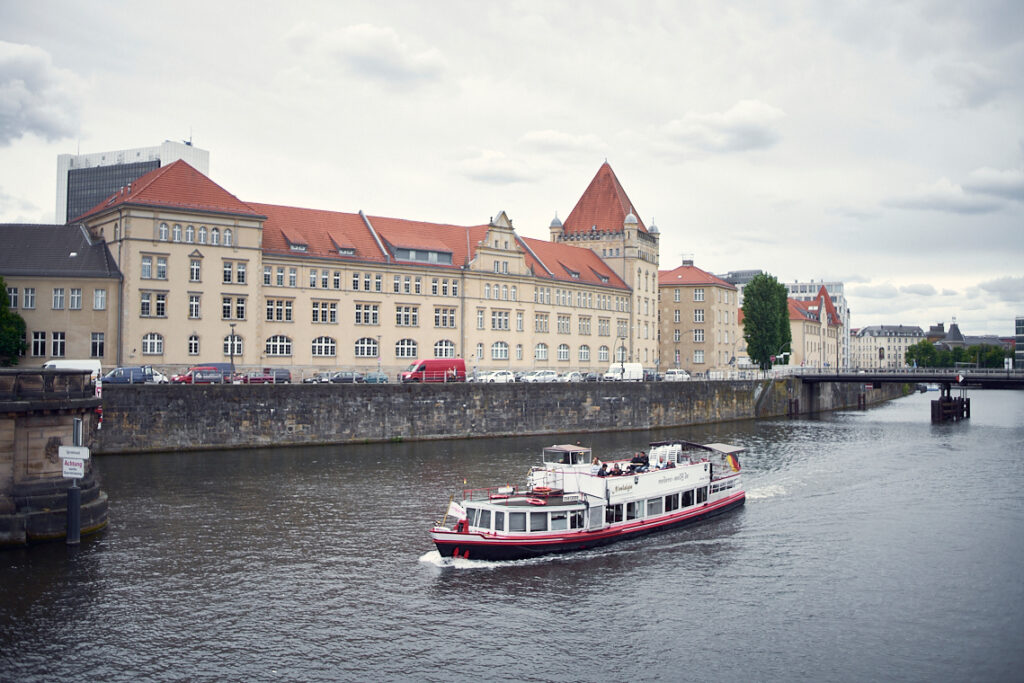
[85, 180]
[700, 330]
[1018, 361]
[808, 291]
[883, 346]
[816, 330]
[740, 279]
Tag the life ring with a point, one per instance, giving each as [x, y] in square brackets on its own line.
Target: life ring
[535, 501]
[542, 490]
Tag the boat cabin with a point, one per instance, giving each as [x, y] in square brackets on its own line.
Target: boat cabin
[561, 456]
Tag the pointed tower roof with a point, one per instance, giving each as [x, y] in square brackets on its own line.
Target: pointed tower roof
[178, 186]
[604, 206]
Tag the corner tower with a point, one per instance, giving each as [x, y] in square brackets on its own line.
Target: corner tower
[605, 221]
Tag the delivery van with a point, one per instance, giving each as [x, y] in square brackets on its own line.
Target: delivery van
[625, 372]
[436, 370]
[91, 365]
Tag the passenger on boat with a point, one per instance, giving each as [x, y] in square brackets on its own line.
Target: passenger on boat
[595, 465]
[640, 463]
[603, 472]
[616, 470]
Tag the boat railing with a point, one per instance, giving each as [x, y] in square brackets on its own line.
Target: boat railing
[489, 493]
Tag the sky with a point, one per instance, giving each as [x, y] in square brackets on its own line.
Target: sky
[880, 144]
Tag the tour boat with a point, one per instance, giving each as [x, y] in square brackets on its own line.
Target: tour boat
[568, 504]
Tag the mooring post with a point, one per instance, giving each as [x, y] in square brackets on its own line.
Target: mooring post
[74, 513]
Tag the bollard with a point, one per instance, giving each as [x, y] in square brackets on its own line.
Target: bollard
[74, 513]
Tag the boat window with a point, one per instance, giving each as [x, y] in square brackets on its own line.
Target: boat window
[672, 502]
[687, 498]
[499, 521]
[613, 513]
[654, 506]
[576, 519]
[559, 521]
[517, 521]
[702, 494]
[596, 516]
[471, 515]
[635, 510]
[538, 521]
[485, 519]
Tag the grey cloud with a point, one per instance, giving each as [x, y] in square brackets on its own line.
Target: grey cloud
[35, 96]
[884, 291]
[1010, 289]
[942, 196]
[495, 168]
[973, 85]
[748, 125]
[1007, 184]
[921, 290]
[949, 292]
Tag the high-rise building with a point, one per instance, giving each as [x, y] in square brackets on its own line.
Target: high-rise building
[85, 180]
[1018, 351]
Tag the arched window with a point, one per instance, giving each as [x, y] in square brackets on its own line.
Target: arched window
[190, 234]
[279, 345]
[487, 291]
[176, 233]
[504, 292]
[499, 351]
[406, 348]
[238, 345]
[215, 236]
[366, 347]
[584, 353]
[513, 292]
[163, 232]
[227, 237]
[325, 346]
[202, 234]
[540, 351]
[602, 354]
[152, 344]
[620, 354]
[193, 345]
[444, 349]
[563, 352]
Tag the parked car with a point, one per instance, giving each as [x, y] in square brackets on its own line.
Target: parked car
[676, 375]
[347, 377]
[134, 374]
[571, 376]
[375, 377]
[592, 377]
[200, 374]
[255, 377]
[541, 376]
[624, 372]
[318, 378]
[160, 378]
[501, 376]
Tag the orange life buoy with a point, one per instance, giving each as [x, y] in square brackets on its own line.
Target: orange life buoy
[535, 501]
[542, 490]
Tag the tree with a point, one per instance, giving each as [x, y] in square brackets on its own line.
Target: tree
[12, 331]
[765, 319]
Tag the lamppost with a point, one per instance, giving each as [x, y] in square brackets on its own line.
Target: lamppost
[378, 354]
[620, 351]
[231, 349]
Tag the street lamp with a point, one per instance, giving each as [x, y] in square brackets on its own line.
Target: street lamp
[620, 351]
[231, 349]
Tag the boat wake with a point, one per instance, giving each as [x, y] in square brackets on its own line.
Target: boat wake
[762, 492]
[434, 559]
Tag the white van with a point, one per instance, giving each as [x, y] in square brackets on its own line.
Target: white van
[625, 372]
[676, 375]
[61, 364]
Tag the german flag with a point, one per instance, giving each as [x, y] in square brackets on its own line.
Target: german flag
[734, 463]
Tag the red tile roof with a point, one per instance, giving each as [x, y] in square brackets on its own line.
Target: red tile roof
[176, 185]
[690, 275]
[604, 204]
[460, 241]
[322, 232]
[558, 261]
[811, 310]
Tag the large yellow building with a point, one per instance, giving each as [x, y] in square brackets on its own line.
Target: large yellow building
[207, 277]
[700, 332]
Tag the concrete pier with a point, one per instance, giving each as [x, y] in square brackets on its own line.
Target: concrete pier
[38, 409]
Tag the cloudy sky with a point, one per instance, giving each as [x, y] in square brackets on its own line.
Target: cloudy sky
[877, 143]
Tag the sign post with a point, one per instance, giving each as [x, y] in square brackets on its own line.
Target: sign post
[73, 467]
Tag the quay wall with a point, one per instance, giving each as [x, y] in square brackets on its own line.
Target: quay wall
[158, 418]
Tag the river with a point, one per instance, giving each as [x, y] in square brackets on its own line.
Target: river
[873, 546]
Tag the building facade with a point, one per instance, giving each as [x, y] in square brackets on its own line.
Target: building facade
[808, 291]
[699, 321]
[883, 347]
[816, 330]
[64, 284]
[84, 180]
[208, 277]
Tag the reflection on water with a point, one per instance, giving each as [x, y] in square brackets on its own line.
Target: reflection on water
[314, 564]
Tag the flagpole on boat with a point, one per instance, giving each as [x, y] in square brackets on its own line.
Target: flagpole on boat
[447, 510]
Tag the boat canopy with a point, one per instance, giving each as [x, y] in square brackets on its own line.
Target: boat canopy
[567, 455]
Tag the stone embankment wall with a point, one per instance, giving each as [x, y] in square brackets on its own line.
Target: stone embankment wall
[152, 418]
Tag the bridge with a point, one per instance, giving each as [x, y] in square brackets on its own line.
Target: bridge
[946, 408]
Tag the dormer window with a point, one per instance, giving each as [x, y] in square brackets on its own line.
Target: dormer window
[297, 247]
[346, 251]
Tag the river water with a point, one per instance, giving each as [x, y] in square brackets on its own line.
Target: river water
[873, 546]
